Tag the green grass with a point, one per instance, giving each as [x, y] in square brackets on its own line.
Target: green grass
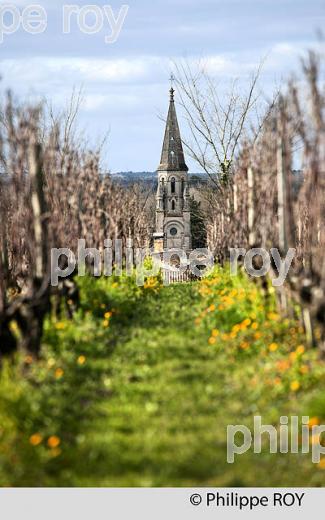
[143, 397]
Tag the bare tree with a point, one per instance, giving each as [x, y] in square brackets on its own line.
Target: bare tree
[52, 193]
[217, 121]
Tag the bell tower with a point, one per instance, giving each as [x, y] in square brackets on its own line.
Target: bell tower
[173, 225]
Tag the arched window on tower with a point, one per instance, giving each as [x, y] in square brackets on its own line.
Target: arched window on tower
[173, 205]
[173, 185]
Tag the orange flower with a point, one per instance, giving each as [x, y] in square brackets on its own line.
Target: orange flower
[304, 369]
[53, 441]
[283, 365]
[212, 308]
[273, 347]
[35, 439]
[59, 373]
[212, 340]
[244, 345]
[314, 439]
[313, 421]
[257, 335]
[293, 356]
[254, 325]
[215, 333]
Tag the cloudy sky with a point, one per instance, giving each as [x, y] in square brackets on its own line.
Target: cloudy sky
[125, 84]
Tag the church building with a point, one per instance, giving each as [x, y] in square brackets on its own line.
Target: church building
[173, 223]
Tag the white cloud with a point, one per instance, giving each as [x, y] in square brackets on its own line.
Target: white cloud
[82, 70]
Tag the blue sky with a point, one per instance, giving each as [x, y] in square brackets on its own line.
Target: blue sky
[125, 84]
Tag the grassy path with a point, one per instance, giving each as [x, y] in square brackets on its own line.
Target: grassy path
[138, 389]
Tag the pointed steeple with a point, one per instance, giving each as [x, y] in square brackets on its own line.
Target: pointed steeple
[172, 156]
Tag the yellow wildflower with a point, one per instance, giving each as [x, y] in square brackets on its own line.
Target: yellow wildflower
[13, 326]
[60, 325]
[273, 347]
[273, 316]
[212, 340]
[236, 328]
[294, 386]
[300, 349]
[55, 452]
[81, 360]
[246, 322]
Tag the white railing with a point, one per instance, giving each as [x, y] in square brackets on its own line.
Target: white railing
[176, 276]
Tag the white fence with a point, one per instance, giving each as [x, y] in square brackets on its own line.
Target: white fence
[176, 276]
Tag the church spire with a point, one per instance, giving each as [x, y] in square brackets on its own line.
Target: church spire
[172, 156]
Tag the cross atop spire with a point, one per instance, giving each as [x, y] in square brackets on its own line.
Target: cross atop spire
[172, 156]
[172, 90]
